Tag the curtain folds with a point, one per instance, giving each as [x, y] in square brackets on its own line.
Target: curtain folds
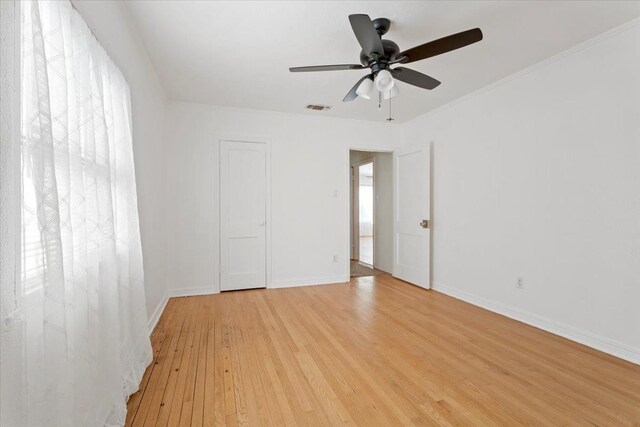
[85, 336]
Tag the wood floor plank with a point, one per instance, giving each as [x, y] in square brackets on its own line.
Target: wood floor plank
[218, 384]
[197, 416]
[208, 403]
[248, 380]
[164, 387]
[155, 383]
[374, 351]
[230, 412]
[170, 389]
[186, 413]
[157, 337]
[175, 410]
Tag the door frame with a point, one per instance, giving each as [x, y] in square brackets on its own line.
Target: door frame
[267, 145]
[347, 200]
[355, 218]
[354, 251]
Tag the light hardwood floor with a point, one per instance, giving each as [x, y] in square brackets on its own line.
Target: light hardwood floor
[375, 351]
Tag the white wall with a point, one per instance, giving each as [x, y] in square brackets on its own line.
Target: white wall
[383, 216]
[539, 177]
[111, 25]
[309, 162]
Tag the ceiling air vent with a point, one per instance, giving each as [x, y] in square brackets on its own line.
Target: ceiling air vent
[318, 107]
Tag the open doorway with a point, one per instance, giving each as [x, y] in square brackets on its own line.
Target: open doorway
[371, 213]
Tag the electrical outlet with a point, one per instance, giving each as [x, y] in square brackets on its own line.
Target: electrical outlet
[519, 283]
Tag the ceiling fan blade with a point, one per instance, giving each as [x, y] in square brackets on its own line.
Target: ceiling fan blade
[366, 34]
[440, 46]
[338, 67]
[352, 93]
[415, 78]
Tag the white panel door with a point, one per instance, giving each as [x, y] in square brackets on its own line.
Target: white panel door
[412, 209]
[242, 215]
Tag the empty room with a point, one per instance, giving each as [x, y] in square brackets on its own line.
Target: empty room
[319, 213]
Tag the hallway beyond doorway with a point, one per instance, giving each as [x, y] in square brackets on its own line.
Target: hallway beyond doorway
[366, 250]
[371, 212]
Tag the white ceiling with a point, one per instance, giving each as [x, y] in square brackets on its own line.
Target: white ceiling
[238, 53]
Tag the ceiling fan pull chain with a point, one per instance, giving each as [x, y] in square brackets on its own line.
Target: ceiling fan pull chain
[379, 100]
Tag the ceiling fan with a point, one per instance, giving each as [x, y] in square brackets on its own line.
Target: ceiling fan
[379, 55]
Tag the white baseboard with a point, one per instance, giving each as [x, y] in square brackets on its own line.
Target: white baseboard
[191, 292]
[292, 283]
[153, 321]
[614, 348]
[275, 284]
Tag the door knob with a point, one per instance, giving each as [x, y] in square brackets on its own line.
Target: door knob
[424, 223]
[262, 223]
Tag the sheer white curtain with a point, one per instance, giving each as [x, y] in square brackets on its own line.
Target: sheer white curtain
[86, 343]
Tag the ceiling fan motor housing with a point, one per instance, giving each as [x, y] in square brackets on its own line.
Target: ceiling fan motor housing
[391, 51]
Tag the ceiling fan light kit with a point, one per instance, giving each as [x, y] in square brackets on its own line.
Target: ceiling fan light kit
[365, 89]
[384, 81]
[379, 55]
